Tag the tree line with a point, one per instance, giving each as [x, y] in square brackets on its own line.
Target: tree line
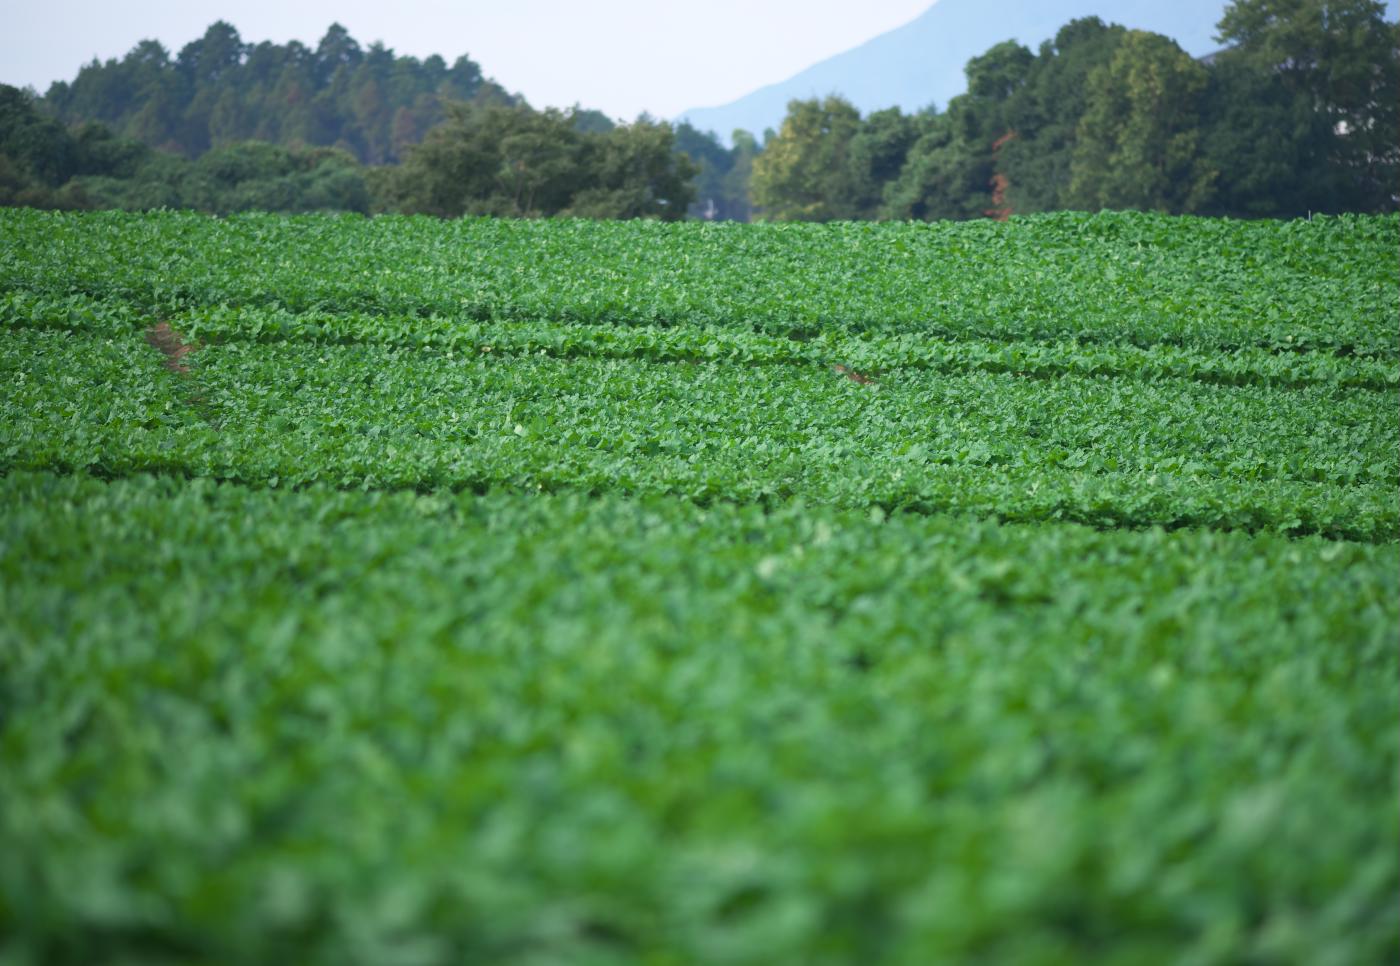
[1299, 112]
[1296, 113]
[219, 90]
[482, 159]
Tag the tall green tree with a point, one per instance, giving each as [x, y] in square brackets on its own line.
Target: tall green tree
[804, 172]
[515, 161]
[877, 154]
[1139, 141]
[634, 171]
[994, 77]
[1326, 73]
[1268, 145]
[950, 170]
[946, 175]
[32, 143]
[220, 90]
[1044, 112]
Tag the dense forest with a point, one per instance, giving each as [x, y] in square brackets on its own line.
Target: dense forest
[218, 91]
[1297, 113]
[492, 159]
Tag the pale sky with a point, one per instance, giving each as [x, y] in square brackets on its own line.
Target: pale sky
[619, 56]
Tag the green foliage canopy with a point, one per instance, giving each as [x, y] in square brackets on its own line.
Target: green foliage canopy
[524, 163]
[220, 90]
[1138, 144]
[804, 172]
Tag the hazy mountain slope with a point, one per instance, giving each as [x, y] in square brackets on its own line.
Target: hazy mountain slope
[922, 62]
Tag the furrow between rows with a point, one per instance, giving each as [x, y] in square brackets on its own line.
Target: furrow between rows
[1084, 450]
[684, 344]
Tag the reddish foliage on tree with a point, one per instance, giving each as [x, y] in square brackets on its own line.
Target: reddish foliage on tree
[1000, 210]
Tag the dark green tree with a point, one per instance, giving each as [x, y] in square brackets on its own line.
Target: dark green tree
[33, 144]
[1043, 115]
[945, 175]
[1267, 144]
[1326, 73]
[877, 154]
[220, 90]
[43, 164]
[1139, 141]
[950, 171]
[634, 171]
[519, 162]
[995, 76]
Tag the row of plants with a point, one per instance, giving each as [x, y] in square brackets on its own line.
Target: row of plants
[1108, 452]
[248, 725]
[1328, 284]
[683, 342]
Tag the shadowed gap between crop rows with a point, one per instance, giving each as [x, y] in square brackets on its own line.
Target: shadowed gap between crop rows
[1044, 370]
[1104, 519]
[174, 302]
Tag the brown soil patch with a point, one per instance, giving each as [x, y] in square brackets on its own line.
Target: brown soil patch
[175, 349]
[853, 375]
[171, 345]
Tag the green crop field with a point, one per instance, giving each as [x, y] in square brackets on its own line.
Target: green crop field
[401, 591]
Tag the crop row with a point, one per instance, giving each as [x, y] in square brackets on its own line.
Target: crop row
[1099, 451]
[871, 351]
[1128, 278]
[616, 728]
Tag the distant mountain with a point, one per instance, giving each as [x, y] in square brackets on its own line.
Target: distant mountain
[922, 62]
